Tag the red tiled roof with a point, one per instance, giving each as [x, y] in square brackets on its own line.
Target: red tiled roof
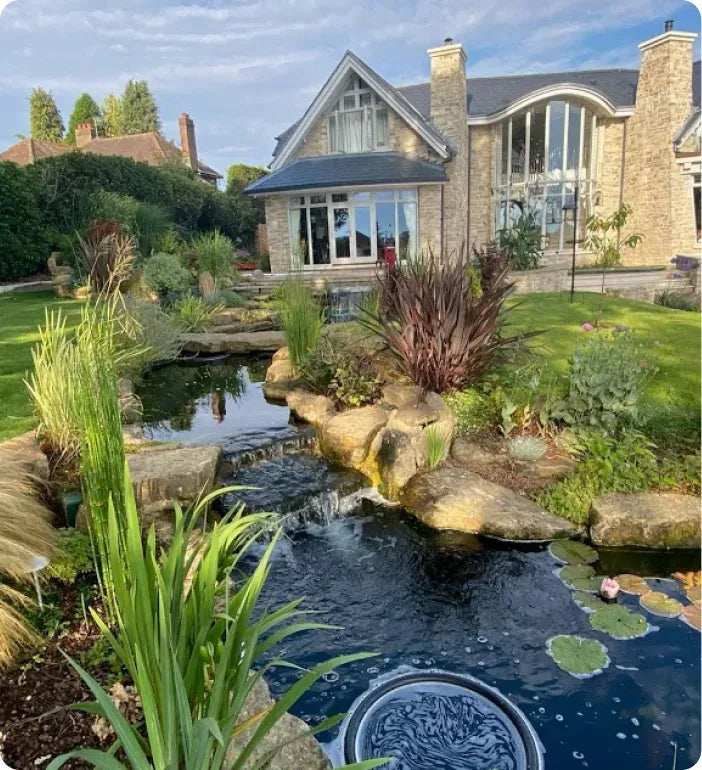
[28, 150]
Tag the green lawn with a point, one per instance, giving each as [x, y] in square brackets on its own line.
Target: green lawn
[672, 338]
[20, 316]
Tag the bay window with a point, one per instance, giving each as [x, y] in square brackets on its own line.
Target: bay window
[359, 121]
[353, 227]
[542, 153]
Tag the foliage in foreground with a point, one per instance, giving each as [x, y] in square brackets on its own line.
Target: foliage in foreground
[301, 318]
[437, 443]
[190, 640]
[622, 463]
[25, 532]
[522, 243]
[442, 336]
[193, 314]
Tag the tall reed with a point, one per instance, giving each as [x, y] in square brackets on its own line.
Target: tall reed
[302, 319]
[195, 644]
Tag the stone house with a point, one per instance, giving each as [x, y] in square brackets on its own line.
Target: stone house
[373, 172]
[149, 147]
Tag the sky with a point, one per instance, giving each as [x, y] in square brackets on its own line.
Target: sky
[246, 69]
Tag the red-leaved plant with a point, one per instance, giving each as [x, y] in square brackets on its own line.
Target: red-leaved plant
[443, 330]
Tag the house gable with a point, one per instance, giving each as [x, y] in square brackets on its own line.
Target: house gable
[309, 136]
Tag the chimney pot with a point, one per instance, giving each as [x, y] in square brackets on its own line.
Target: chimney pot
[84, 134]
[668, 26]
[448, 40]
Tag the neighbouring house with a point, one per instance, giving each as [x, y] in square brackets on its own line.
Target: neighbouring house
[149, 147]
[373, 172]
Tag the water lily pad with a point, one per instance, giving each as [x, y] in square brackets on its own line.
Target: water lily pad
[580, 577]
[590, 585]
[619, 622]
[658, 603]
[573, 571]
[633, 584]
[572, 552]
[578, 656]
[588, 602]
[692, 615]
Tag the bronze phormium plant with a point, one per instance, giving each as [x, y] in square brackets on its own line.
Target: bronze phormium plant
[443, 336]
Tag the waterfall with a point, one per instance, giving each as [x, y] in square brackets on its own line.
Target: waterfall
[302, 441]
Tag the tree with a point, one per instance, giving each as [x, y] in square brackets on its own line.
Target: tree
[45, 120]
[240, 175]
[247, 212]
[85, 110]
[112, 119]
[604, 238]
[139, 110]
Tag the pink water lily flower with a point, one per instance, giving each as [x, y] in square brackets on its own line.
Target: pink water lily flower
[609, 588]
[588, 327]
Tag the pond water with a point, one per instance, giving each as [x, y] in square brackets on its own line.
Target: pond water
[428, 600]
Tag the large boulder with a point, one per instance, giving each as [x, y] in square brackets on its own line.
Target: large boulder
[280, 377]
[395, 457]
[310, 407]
[302, 754]
[346, 438]
[458, 499]
[240, 342]
[164, 476]
[648, 519]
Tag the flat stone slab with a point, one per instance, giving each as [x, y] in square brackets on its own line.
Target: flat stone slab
[647, 519]
[238, 342]
[163, 476]
[458, 499]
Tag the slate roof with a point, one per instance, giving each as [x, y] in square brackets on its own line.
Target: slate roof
[28, 150]
[368, 168]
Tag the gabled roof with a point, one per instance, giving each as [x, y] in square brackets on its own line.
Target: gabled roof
[291, 138]
[689, 127]
[354, 169]
[28, 150]
[149, 147]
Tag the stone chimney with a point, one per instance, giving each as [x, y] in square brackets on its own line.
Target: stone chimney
[449, 114]
[654, 186]
[85, 132]
[187, 140]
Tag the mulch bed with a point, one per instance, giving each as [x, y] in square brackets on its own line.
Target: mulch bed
[35, 723]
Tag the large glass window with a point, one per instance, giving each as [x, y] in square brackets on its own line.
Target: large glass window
[542, 154]
[361, 226]
[359, 121]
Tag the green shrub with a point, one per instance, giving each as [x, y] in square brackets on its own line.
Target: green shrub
[522, 243]
[193, 314]
[264, 262]
[605, 381]
[301, 317]
[23, 246]
[472, 409]
[214, 254]
[227, 298]
[437, 444]
[148, 333]
[345, 374]
[164, 274]
[677, 300]
[74, 555]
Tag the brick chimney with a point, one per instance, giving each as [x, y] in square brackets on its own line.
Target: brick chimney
[449, 114]
[653, 183]
[85, 132]
[187, 140]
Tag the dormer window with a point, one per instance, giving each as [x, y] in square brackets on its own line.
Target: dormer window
[359, 121]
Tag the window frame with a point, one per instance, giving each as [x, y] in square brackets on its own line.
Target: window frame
[369, 117]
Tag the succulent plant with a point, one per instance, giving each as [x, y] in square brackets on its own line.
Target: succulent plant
[577, 656]
[526, 448]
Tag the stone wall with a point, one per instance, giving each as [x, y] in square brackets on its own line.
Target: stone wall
[405, 140]
[448, 112]
[278, 231]
[429, 225]
[482, 174]
[315, 141]
[610, 157]
[653, 185]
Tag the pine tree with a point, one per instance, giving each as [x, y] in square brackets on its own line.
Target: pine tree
[139, 110]
[112, 123]
[45, 120]
[85, 110]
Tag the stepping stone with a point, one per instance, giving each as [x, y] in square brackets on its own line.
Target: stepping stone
[240, 342]
[458, 499]
[646, 519]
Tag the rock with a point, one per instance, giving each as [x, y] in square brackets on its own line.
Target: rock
[455, 498]
[310, 407]
[25, 449]
[648, 519]
[396, 455]
[347, 437]
[469, 454]
[428, 410]
[280, 378]
[163, 476]
[282, 354]
[304, 753]
[239, 342]
[236, 327]
[553, 467]
[396, 396]
[130, 406]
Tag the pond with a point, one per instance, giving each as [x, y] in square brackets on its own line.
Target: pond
[428, 600]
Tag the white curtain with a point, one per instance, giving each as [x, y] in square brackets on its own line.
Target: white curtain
[351, 131]
[409, 212]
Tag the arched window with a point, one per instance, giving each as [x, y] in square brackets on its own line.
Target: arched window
[542, 154]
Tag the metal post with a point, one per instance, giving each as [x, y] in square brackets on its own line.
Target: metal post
[575, 240]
